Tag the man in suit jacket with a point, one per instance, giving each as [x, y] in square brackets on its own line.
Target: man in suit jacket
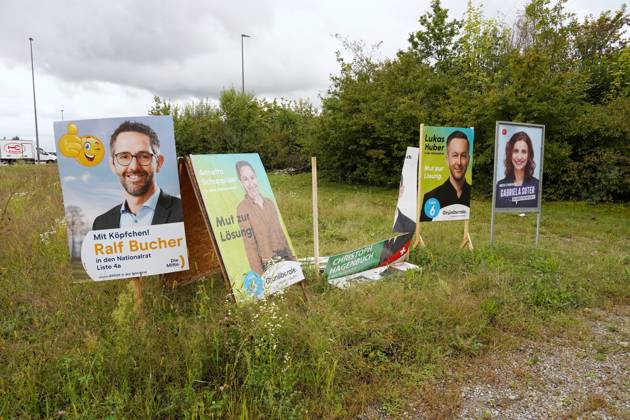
[135, 160]
[455, 191]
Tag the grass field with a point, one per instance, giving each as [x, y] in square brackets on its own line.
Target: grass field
[81, 350]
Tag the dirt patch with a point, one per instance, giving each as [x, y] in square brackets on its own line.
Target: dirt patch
[584, 375]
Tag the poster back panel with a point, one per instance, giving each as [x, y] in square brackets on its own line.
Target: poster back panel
[202, 254]
[406, 206]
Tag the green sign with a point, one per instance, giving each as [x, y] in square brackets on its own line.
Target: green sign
[375, 255]
[445, 173]
[253, 241]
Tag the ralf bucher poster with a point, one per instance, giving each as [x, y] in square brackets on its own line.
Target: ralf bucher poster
[121, 195]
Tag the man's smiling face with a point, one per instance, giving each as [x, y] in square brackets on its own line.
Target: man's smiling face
[135, 178]
[457, 158]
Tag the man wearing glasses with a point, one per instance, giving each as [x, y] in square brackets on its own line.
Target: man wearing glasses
[135, 159]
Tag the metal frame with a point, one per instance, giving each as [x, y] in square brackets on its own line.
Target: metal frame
[537, 209]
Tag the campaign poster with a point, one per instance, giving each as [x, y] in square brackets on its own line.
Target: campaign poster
[253, 241]
[445, 173]
[378, 254]
[121, 195]
[518, 167]
[406, 206]
[372, 275]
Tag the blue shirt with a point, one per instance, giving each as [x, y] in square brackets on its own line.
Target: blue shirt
[144, 217]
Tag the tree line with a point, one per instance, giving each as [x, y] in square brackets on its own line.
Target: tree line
[548, 68]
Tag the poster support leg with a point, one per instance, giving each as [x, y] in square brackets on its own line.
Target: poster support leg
[419, 239]
[537, 227]
[304, 290]
[136, 283]
[467, 240]
[491, 225]
[315, 216]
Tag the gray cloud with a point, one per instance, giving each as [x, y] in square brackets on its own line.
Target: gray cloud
[172, 48]
[96, 58]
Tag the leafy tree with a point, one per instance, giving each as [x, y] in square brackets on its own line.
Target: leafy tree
[433, 43]
[601, 51]
[282, 132]
[548, 69]
[77, 228]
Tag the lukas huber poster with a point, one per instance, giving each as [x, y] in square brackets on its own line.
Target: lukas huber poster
[121, 195]
[253, 241]
[518, 166]
[445, 173]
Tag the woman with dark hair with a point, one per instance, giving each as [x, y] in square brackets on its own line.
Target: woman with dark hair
[266, 242]
[519, 188]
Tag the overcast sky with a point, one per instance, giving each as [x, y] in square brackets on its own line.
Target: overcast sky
[109, 58]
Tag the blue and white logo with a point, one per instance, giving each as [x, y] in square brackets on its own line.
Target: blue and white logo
[253, 285]
[432, 207]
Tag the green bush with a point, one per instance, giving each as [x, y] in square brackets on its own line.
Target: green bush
[549, 69]
[282, 132]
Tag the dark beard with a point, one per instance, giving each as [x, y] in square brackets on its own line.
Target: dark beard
[139, 191]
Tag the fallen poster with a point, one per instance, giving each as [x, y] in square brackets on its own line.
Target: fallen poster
[378, 254]
[252, 240]
[406, 207]
[121, 194]
[372, 275]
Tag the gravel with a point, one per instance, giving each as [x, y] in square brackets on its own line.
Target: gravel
[583, 375]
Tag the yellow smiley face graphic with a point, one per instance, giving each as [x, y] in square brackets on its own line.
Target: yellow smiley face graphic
[92, 151]
[70, 143]
[87, 150]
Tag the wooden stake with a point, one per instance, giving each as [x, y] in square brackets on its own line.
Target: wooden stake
[419, 239]
[137, 295]
[467, 240]
[315, 216]
[304, 291]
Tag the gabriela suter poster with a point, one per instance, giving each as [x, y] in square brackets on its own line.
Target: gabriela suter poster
[518, 166]
[253, 241]
[121, 195]
[445, 173]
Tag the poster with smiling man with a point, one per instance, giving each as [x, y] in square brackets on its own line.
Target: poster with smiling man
[445, 173]
[121, 195]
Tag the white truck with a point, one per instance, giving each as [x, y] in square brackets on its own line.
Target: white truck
[12, 151]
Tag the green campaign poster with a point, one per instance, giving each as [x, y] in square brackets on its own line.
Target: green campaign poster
[445, 173]
[253, 241]
[374, 255]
